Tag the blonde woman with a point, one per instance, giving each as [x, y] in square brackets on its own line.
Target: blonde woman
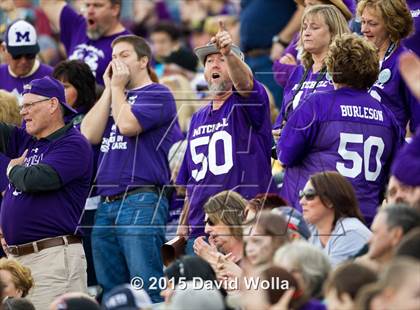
[9, 109]
[9, 113]
[320, 25]
[17, 279]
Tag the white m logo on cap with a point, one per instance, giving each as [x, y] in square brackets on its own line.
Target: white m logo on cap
[21, 33]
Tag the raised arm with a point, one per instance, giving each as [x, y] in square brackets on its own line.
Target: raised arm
[285, 36]
[124, 119]
[94, 122]
[52, 9]
[238, 70]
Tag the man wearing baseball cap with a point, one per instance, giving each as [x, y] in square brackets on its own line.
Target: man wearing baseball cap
[49, 181]
[22, 66]
[126, 297]
[229, 139]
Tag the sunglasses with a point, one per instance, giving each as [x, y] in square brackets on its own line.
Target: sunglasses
[27, 56]
[309, 194]
[209, 222]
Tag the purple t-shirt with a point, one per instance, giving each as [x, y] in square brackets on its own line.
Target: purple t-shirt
[314, 82]
[27, 217]
[15, 84]
[344, 130]
[129, 162]
[413, 41]
[391, 90]
[96, 53]
[228, 148]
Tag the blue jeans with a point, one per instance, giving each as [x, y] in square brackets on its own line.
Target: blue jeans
[126, 241]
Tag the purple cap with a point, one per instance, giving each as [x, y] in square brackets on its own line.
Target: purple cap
[49, 87]
[406, 165]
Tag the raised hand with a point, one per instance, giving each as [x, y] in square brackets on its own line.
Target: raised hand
[107, 75]
[410, 70]
[222, 39]
[120, 74]
[288, 59]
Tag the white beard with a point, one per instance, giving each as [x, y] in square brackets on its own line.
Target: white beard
[218, 88]
[95, 34]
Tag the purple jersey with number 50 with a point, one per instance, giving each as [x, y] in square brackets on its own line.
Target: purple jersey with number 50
[228, 148]
[344, 130]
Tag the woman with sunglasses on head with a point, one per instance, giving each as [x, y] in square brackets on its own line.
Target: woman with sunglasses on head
[345, 129]
[385, 23]
[320, 24]
[330, 206]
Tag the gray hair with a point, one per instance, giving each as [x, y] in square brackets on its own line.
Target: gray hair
[313, 264]
[401, 215]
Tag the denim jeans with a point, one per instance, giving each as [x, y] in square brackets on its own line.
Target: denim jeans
[126, 240]
[189, 250]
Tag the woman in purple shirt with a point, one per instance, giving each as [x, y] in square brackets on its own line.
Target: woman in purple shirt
[386, 24]
[289, 60]
[320, 24]
[345, 129]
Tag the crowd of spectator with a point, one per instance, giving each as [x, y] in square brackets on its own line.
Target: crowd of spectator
[210, 154]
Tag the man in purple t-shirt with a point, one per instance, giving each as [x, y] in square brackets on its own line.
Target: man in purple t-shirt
[49, 181]
[229, 139]
[133, 122]
[344, 130]
[87, 37]
[21, 66]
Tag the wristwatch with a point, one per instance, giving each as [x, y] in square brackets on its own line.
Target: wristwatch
[276, 39]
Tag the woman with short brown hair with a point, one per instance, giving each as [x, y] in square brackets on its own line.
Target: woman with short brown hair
[385, 23]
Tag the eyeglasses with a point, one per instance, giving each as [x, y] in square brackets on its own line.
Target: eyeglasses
[27, 56]
[309, 194]
[28, 105]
